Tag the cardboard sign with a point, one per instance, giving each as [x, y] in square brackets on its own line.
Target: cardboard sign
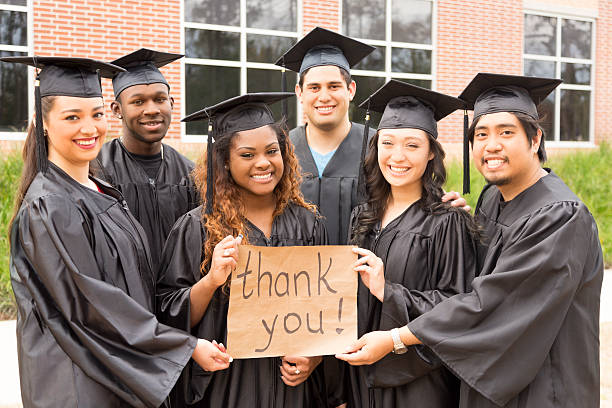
[298, 301]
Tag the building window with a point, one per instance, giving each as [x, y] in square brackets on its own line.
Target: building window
[230, 49]
[559, 47]
[402, 32]
[13, 77]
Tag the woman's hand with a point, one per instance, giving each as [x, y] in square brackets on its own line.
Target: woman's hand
[368, 349]
[295, 370]
[372, 272]
[224, 260]
[211, 357]
[456, 200]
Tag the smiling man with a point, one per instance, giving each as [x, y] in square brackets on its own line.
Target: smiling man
[153, 177]
[329, 145]
[528, 333]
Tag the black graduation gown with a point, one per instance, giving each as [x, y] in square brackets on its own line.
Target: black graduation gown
[427, 259]
[158, 203]
[335, 192]
[247, 382]
[86, 332]
[528, 333]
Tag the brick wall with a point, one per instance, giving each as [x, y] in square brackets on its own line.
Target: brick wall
[106, 30]
[474, 36]
[603, 74]
[322, 13]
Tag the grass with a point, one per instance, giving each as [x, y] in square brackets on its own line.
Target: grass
[10, 170]
[588, 174]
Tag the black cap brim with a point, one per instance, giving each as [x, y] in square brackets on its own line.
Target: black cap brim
[538, 88]
[443, 105]
[352, 50]
[105, 69]
[146, 55]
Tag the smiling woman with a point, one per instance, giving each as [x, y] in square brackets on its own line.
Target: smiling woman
[80, 264]
[250, 181]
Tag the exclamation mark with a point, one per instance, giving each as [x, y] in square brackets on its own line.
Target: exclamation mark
[339, 330]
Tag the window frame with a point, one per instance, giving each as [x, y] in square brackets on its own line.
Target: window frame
[243, 64]
[29, 50]
[558, 59]
[389, 45]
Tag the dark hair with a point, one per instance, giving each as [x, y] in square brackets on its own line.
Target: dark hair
[29, 171]
[228, 210]
[345, 75]
[530, 126]
[378, 191]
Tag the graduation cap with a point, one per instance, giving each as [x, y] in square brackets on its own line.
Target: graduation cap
[404, 105]
[62, 76]
[245, 112]
[493, 93]
[322, 47]
[142, 69]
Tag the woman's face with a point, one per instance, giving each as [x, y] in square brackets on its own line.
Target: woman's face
[255, 160]
[403, 155]
[76, 129]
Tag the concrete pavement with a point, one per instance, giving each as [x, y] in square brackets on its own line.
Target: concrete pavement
[10, 396]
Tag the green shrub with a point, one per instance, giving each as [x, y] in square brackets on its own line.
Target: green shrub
[10, 170]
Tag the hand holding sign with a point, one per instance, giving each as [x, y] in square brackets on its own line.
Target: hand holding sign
[224, 259]
[299, 301]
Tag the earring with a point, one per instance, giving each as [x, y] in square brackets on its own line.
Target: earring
[120, 116]
[46, 133]
[226, 167]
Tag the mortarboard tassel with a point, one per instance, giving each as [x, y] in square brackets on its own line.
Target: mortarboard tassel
[284, 106]
[209, 169]
[361, 183]
[466, 155]
[41, 144]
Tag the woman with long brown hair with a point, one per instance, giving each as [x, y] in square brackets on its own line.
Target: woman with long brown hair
[250, 183]
[414, 250]
[80, 265]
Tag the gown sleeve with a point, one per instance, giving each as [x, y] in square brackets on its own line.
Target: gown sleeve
[452, 261]
[107, 334]
[179, 271]
[497, 337]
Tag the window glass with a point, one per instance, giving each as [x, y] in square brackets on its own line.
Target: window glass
[364, 19]
[576, 39]
[272, 14]
[226, 12]
[267, 48]
[211, 44]
[207, 85]
[579, 74]
[539, 68]
[13, 88]
[575, 115]
[409, 60]
[540, 35]
[411, 21]
[13, 28]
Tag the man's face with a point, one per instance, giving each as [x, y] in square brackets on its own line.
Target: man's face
[146, 111]
[501, 150]
[325, 97]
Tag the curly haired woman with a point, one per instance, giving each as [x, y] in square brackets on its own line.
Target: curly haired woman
[251, 187]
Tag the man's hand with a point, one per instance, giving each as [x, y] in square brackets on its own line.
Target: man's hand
[456, 200]
[295, 370]
[368, 349]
